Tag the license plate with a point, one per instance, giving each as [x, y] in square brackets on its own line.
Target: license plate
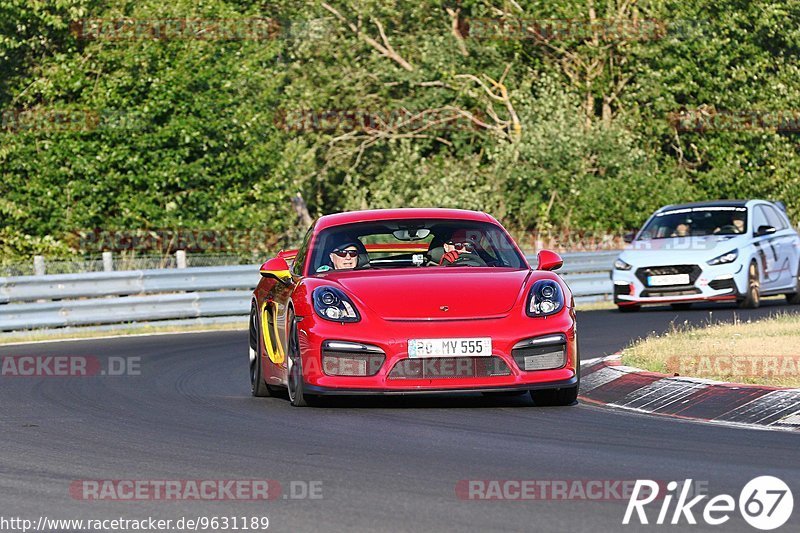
[672, 279]
[463, 347]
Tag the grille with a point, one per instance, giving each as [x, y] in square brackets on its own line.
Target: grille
[624, 290]
[721, 284]
[450, 367]
[694, 272]
[342, 363]
[649, 293]
[540, 357]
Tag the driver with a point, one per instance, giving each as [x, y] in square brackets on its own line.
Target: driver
[457, 246]
[736, 226]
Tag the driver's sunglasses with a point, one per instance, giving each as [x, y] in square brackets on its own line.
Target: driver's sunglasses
[467, 246]
[345, 253]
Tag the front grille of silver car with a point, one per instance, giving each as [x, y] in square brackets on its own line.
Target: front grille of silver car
[694, 272]
[662, 292]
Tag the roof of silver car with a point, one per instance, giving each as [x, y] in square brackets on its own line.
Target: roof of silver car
[714, 203]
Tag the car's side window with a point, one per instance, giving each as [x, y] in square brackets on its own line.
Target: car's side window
[775, 220]
[300, 258]
[759, 218]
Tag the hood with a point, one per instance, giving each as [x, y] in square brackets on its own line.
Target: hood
[420, 294]
[680, 250]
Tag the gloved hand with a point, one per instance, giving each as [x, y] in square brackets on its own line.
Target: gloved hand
[450, 257]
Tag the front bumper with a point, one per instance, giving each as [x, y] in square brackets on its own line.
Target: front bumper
[323, 391]
[708, 283]
[392, 338]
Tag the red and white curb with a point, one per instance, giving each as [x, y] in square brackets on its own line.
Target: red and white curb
[606, 381]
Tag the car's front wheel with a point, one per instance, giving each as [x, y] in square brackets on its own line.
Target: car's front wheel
[752, 296]
[295, 382]
[258, 387]
[564, 396]
[550, 397]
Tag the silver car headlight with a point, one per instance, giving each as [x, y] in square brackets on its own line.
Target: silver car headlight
[619, 264]
[725, 258]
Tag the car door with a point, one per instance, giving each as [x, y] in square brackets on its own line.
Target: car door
[766, 250]
[792, 247]
[283, 297]
[784, 244]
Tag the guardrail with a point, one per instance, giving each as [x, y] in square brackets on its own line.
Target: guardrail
[97, 298]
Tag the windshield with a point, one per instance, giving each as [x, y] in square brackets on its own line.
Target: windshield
[416, 243]
[696, 222]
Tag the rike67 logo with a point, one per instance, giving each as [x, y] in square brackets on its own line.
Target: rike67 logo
[765, 503]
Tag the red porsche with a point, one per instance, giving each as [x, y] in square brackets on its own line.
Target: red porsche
[409, 301]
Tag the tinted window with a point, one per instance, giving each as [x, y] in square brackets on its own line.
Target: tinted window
[696, 222]
[774, 219]
[759, 218]
[415, 243]
[299, 260]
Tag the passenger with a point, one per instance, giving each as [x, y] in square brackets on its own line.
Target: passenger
[681, 230]
[344, 256]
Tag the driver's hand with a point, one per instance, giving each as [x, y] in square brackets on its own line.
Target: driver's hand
[450, 257]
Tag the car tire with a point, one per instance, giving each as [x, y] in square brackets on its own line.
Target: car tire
[258, 387]
[553, 397]
[295, 384]
[629, 308]
[752, 295]
[793, 298]
[681, 306]
[565, 396]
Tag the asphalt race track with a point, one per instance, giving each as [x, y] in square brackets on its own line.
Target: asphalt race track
[388, 464]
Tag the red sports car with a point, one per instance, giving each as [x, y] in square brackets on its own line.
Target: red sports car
[406, 301]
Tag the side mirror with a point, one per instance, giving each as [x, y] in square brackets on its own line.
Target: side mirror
[549, 260]
[277, 268]
[765, 230]
[628, 237]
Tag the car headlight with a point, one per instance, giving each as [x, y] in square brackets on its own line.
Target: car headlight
[545, 298]
[725, 258]
[332, 304]
[619, 264]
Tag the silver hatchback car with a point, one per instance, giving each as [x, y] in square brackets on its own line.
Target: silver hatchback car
[737, 250]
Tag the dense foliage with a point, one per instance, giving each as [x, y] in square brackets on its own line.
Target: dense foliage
[382, 103]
